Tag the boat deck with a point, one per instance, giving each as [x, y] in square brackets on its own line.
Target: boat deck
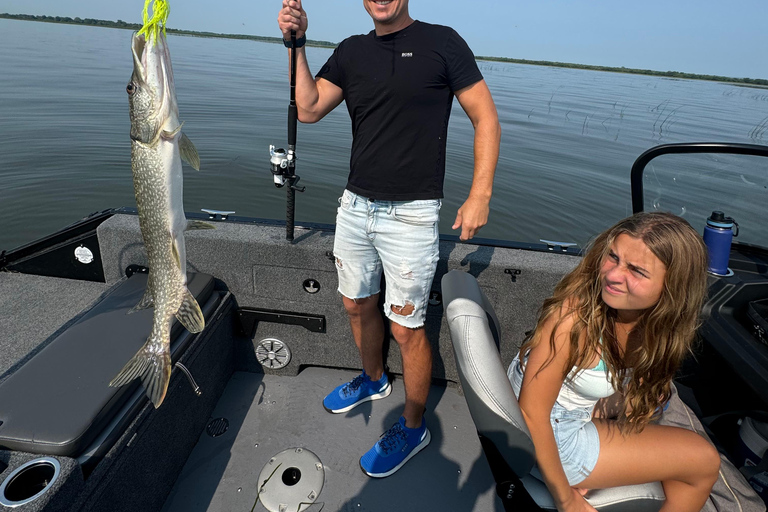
[269, 413]
[164, 459]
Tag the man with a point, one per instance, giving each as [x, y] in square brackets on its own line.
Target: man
[398, 82]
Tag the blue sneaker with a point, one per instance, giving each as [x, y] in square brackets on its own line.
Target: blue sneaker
[355, 392]
[396, 446]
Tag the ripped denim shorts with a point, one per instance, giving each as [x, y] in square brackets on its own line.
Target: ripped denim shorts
[399, 238]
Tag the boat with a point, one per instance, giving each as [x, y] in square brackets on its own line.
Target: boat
[242, 426]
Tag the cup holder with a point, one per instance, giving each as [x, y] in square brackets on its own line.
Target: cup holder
[29, 481]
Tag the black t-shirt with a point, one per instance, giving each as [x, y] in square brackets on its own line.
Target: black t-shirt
[398, 89]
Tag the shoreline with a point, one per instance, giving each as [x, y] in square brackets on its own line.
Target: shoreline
[120, 24]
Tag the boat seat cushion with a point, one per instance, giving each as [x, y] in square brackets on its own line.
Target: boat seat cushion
[60, 400]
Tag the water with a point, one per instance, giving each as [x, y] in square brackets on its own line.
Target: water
[569, 139]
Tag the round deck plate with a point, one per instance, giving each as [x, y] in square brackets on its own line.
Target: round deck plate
[291, 481]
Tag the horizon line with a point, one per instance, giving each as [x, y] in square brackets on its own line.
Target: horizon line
[120, 24]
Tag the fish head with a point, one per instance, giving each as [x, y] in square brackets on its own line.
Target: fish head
[151, 92]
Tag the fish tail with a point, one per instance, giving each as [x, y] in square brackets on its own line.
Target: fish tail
[152, 366]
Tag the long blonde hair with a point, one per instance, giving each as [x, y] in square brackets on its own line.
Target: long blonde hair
[664, 332]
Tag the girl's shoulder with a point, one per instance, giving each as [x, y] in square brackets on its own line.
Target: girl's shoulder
[567, 315]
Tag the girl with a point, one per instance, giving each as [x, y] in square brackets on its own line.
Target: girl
[607, 345]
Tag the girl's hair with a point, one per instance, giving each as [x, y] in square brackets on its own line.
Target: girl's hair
[665, 331]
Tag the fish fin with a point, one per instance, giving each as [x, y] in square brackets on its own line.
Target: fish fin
[189, 152]
[198, 224]
[147, 301]
[189, 313]
[175, 253]
[153, 367]
[169, 135]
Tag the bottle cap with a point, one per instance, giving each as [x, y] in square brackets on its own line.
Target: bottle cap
[719, 220]
[717, 216]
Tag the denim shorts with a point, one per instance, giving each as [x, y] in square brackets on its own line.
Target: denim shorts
[399, 238]
[578, 442]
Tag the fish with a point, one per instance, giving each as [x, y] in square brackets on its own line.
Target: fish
[157, 147]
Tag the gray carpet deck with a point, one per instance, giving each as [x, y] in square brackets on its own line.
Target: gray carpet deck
[268, 414]
[32, 308]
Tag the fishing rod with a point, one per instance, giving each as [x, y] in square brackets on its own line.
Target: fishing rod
[282, 163]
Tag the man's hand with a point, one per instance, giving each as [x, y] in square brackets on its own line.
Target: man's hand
[472, 215]
[292, 17]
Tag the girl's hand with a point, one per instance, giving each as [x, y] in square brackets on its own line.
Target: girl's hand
[577, 503]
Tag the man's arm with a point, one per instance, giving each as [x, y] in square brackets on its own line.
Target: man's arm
[477, 102]
[314, 98]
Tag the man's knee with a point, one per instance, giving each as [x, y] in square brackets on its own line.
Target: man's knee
[406, 335]
[360, 306]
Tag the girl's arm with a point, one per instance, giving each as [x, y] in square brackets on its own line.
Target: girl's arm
[539, 390]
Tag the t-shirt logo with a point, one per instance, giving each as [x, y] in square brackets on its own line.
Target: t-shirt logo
[407, 54]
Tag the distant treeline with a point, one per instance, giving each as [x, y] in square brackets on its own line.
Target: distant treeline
[136, 26]
[672, 74]
[327, 44]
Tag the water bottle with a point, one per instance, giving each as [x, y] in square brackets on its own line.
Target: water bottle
[718, 234]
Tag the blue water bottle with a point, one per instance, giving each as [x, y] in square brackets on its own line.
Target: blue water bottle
[718, 234]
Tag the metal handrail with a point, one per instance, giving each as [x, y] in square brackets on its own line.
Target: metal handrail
[636, 174]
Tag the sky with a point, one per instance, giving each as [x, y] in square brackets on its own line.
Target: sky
[712, 37]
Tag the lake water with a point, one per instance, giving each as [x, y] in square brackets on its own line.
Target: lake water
[569, 139]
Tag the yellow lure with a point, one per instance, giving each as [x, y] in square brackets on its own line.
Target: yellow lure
[153, 24]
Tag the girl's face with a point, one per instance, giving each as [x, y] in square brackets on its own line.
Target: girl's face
[631, 276]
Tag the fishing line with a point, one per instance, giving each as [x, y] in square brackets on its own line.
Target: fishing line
[258, 493]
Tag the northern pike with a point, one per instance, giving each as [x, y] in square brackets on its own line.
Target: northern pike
[157, 146]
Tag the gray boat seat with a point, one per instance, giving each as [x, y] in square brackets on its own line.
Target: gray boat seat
[60, 401]
[493, 405]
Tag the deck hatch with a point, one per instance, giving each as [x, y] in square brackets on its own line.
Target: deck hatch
[291, 480]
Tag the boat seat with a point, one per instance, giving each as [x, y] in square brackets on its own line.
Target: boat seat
[493, 405]
[60, 401]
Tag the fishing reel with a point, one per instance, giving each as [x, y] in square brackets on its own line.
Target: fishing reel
[281, 164]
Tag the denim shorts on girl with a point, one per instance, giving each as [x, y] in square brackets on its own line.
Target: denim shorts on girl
[399, 238]
[578, 442]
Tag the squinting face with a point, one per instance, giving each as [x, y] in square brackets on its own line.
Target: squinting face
[632, 277]
[386, 11]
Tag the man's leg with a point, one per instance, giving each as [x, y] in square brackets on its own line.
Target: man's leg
[417, 370]
[408, 246]
[359, 271]
[368, 331]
